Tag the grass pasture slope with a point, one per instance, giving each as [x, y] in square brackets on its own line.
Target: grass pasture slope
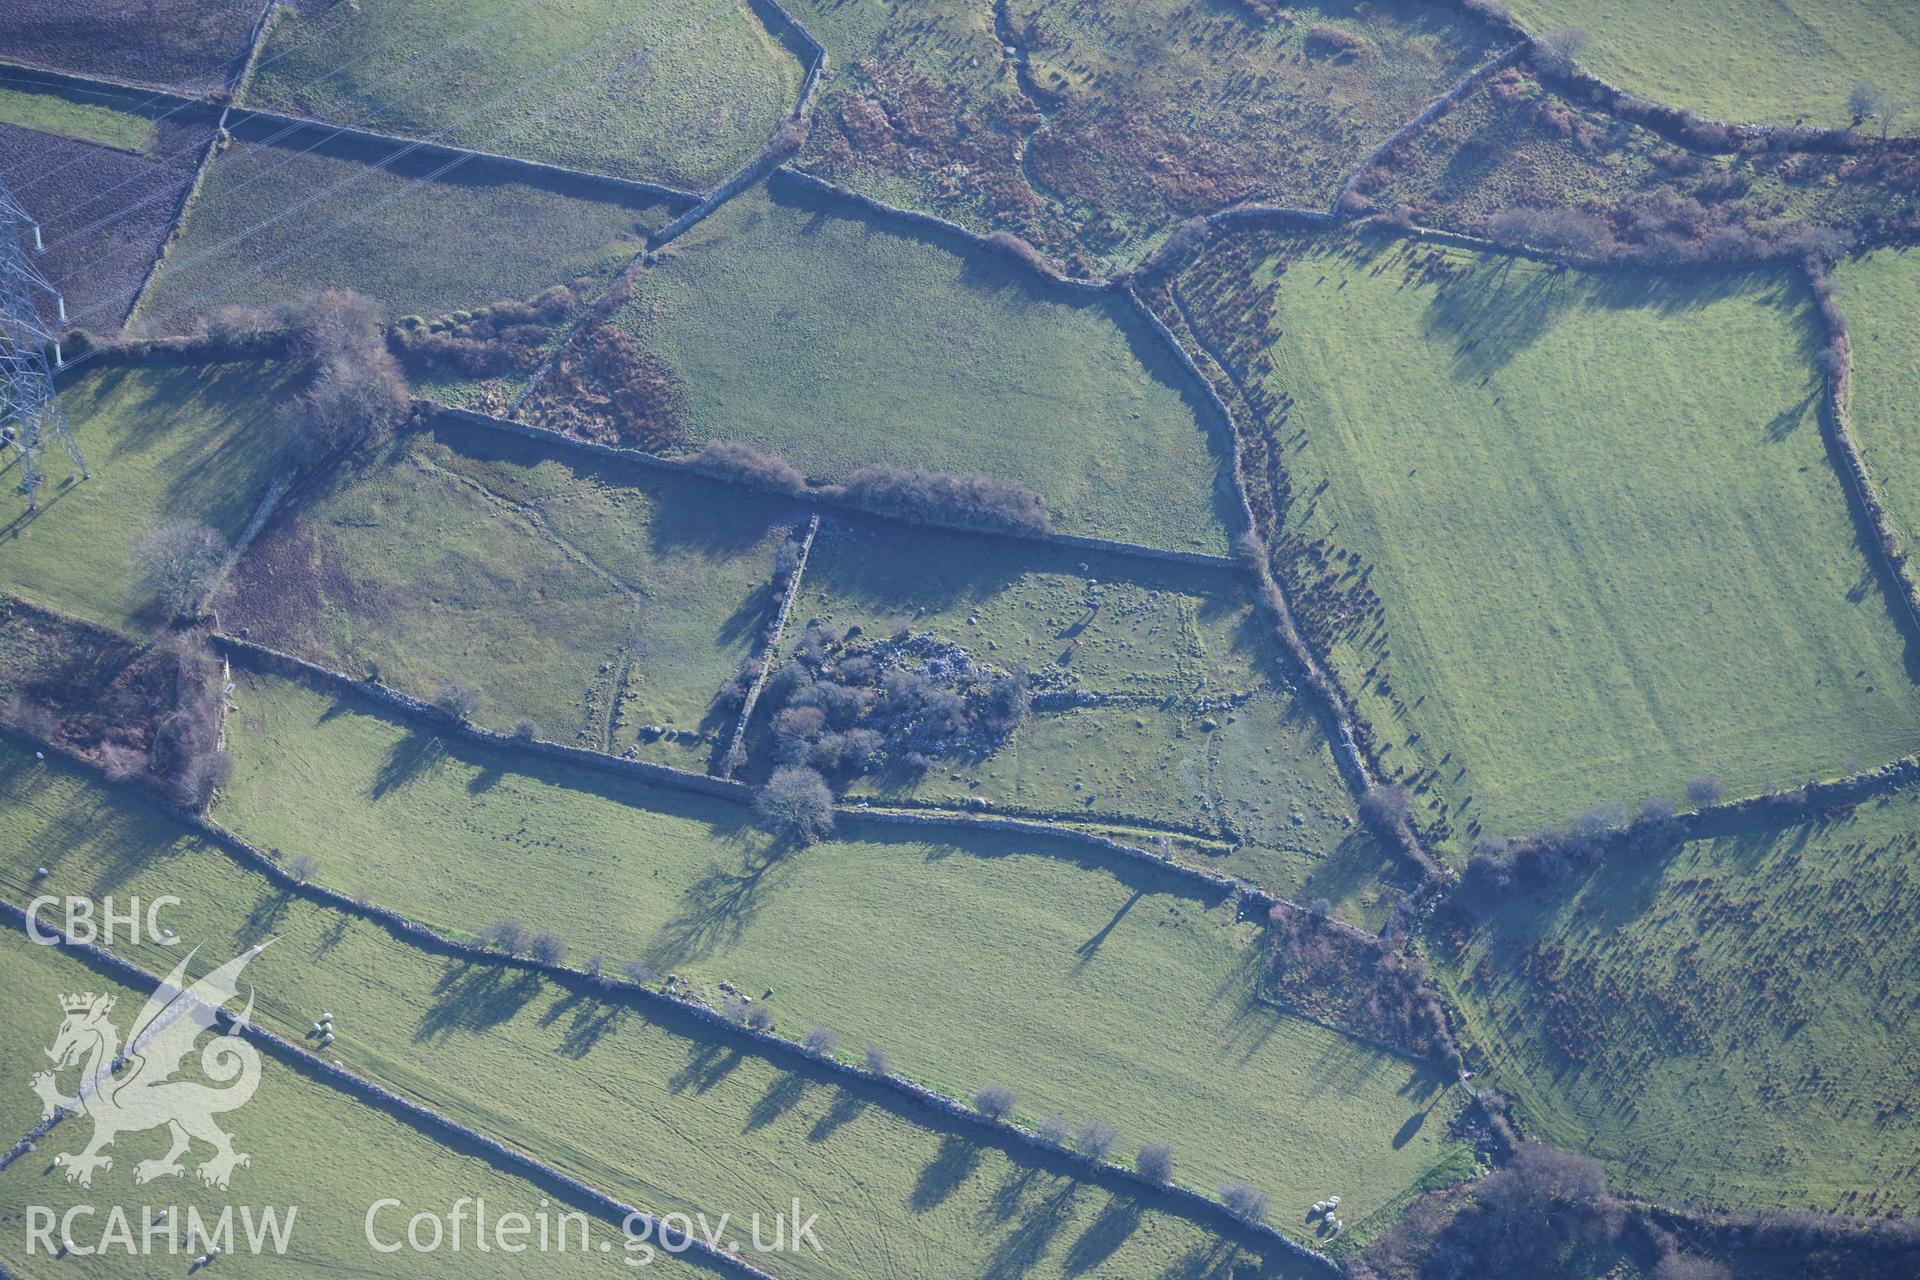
[1730, 1022]
[103, 172]
[1880, 294]
[1192, 729]
[1651, 443]
[193, 46]
[278, 217]
[312, 1147]
[565, 592]
[674, 91]
[165, 441]
[1750, 62]
[1094, 987]
[81, 116]
[654, 1107]
[873, 342]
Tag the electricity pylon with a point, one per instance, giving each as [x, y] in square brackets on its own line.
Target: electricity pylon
[30, 412]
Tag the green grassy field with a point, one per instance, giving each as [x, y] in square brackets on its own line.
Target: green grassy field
[591, 599]
[1729, 1022]
[674, 91]
[164, 441]
[313, 1148]
[875, 344]
[1195, 730]
[411, 242]
[1758, 61]
[70, 116]
[1447, 409]
[1095, 988]
[652, 1107]
[1880, 294]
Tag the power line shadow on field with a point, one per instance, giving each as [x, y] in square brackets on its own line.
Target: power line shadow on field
[473, 997]
[412, 757]
[708, 1063]
[782, 1096]
[847, 1107]
[952, 1165]
[1105, 1235]
[1027, 1244]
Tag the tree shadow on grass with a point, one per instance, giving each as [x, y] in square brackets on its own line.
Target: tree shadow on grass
[952, 1165]
[708, 1063]
[1027, 1244]
[268, 914]
[718, 909]
[1216, 1261]
[1087, 950]
[1104, 1235]
[412, 757]
[335, 934]
[752, 614]
[589, 1020]
[473, 997]
[1006, 1198]
[782, 1096]
[847, 1107]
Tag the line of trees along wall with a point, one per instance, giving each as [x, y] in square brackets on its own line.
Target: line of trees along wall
[776, 1047]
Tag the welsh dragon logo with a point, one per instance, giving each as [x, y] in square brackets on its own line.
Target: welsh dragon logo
[135, 1091]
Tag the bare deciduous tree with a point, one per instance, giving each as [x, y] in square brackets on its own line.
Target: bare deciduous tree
[1705, 790]
[995, 1101]
[796, 803]
[509, 935]
[1559, 49]
[1155, 1161]
[175, 565]
[356, 394]
[1244, 1202]
[460, 700]
[1096, 1139]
